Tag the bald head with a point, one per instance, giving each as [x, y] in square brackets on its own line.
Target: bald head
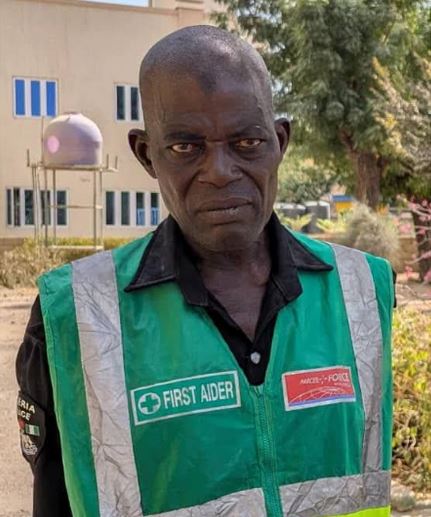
[206, 54]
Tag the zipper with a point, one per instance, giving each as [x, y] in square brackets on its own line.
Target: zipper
[266, 454]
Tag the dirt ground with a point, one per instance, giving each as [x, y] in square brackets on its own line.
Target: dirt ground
[15, 475]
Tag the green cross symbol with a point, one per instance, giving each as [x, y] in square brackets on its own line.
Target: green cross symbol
[149, 403]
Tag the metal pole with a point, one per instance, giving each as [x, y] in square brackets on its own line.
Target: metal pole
[95, 209]
[33, 181]
[37, 204]
[54, 202]
[101, 213]
[46, 205]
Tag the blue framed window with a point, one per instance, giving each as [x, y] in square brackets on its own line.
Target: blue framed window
[140, 209]
[134, 103]
[125, 208]
[14, 206]
[20, 97]
[35, 97]
[51, 98]
[61, 208]
[45, 207]
[121, 103]
[9, 206]
[110, 208]
[155, 208]
[21, 207]
[28, 207]
[127, 103]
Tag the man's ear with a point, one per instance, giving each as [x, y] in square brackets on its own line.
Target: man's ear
[138, 141]
[282, 128]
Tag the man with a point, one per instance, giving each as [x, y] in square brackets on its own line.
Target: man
[221, 366]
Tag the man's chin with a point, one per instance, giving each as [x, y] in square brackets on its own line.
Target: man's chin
[229, 238]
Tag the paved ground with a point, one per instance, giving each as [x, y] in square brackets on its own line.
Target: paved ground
[15, 475]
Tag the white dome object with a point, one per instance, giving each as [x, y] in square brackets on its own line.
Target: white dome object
[72, 140]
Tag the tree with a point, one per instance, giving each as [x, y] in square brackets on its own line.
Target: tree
[301, 179]
[406, 113]
[324, 57]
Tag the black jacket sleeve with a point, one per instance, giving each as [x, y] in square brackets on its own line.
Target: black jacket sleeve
[40, 440]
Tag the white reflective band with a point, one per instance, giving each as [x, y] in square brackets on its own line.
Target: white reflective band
[247, 503]
[364, 322]
[97, 314]
[337, 495]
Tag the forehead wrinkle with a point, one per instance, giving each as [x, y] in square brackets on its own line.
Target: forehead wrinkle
[225, 122]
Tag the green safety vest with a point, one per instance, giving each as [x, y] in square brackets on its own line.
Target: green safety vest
[157, 418]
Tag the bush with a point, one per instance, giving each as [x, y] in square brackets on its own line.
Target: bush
[412, 400]
[373, 233]
[21, 266]
[295, 223]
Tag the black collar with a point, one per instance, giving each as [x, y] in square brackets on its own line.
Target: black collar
[169, 258]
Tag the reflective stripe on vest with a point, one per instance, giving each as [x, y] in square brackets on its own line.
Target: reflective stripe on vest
[98, 319]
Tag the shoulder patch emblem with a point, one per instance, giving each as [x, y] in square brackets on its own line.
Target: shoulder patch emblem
[31, 422]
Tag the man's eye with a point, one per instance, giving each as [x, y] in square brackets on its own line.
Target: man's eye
[183, 148]
[249, 143]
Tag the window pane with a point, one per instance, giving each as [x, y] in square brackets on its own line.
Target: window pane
[121, 115]
[16, 207]
[134, 103]
[51, 98]
[19, 97]
[125, 208]
[45, 202]
[110, 208]
[28, 207]
[140, 209]
[9, 205]
[61, 211]
[35, 98]
[155, 211]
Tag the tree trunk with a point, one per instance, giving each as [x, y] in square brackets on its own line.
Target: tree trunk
[423, 240]
[368, 175]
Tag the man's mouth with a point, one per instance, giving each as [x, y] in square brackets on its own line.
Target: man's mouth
[224, 211]
[223, 204]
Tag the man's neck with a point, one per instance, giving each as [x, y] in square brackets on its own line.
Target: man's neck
[233, 260]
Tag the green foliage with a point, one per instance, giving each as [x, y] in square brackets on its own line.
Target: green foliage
[373, 233]
[412, 406]
[21, 266]
[324, 57]
[295, 223]
[333, 225]
[301, 180]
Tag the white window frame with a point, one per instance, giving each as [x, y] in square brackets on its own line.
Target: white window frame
[105, 211]
[134, 193]
[22, 208]
[127, 103]
[27, 97]
[159, 207]
[132, 207]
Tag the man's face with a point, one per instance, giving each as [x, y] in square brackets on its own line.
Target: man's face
[215, 155]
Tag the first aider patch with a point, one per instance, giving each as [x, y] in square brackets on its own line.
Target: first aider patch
[31, 421]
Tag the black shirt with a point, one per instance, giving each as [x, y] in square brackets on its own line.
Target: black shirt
[167, 258]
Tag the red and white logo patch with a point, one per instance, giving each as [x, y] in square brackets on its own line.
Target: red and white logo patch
[318, 387]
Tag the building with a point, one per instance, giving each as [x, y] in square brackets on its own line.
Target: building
[78, 55]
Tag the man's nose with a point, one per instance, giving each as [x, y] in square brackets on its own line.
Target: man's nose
[219, 167]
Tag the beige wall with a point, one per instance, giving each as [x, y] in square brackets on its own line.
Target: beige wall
[88, 47]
